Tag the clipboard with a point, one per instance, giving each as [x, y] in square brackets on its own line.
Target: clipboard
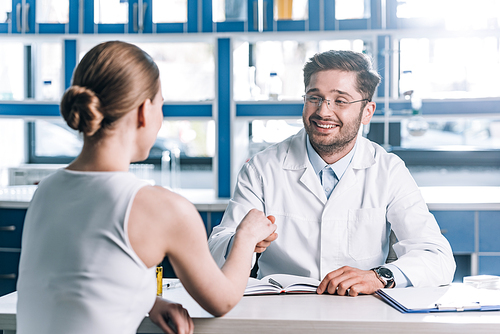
[456, 297]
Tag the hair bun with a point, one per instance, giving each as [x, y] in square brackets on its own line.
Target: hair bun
[81, 109]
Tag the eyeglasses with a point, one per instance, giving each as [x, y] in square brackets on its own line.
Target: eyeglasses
[316, 101]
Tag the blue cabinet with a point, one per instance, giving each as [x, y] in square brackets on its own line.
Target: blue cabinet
[261, 17]
[132, 17]
[23, 16]
[23, 19]
[240, 16]
[489, 265]
[489, 246]
[258, 16]
[473, 236]
[458, 228]
[9, 264]
[11, 227]
[489, 228]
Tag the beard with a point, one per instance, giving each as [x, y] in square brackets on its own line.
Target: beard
[328, 144]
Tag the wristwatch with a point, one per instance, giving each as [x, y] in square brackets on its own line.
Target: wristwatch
[385, 276]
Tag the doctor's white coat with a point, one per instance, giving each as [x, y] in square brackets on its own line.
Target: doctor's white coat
[352, 227]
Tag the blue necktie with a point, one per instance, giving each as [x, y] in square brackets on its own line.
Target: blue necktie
[328, 180]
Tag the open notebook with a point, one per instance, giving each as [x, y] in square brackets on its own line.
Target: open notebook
[281, 283]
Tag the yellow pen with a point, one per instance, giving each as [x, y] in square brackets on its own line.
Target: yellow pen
[159, 280]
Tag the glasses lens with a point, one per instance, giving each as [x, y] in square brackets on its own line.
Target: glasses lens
[313, 100]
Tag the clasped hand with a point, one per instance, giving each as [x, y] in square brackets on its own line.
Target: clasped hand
[348, 281]
[172, 318]
[262, 245]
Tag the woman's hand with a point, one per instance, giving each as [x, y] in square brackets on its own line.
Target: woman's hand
[257, 226]
[172, 318]
[262, 245]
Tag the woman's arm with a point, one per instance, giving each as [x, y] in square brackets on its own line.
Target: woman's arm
[163, 223]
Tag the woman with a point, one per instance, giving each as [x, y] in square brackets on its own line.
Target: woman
[94, 233]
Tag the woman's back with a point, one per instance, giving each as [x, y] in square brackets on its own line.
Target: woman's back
[78, 272]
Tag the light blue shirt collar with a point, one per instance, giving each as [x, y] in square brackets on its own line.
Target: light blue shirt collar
[318, 163]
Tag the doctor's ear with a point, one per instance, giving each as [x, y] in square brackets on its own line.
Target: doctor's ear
[368, 112]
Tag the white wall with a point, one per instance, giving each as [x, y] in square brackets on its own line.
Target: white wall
[12, 146]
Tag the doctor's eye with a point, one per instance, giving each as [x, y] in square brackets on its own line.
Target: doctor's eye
[314, 99]
[341, 103]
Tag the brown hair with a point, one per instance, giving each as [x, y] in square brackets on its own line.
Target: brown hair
[349, 61]
[112, 79]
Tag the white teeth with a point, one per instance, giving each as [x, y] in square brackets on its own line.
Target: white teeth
[326, 126]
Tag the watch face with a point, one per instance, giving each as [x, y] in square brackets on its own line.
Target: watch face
[384, 272]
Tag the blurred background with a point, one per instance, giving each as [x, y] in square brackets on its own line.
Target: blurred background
[232, 80]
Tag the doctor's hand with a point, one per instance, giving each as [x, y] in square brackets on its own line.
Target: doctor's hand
[256, 226]
[172, 318]
[348, 281]
[261, 246]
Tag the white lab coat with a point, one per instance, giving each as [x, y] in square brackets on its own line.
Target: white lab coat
[352, 227]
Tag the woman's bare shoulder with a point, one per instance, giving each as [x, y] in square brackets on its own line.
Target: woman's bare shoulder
[164, 204]
[159, 220]
[157, 198]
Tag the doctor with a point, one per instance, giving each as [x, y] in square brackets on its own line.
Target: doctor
[336, 195]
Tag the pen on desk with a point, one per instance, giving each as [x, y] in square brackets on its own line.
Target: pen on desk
[172, 285]
[273, 282]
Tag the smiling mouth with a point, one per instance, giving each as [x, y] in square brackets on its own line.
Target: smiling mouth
[326, 126]
[323, 125]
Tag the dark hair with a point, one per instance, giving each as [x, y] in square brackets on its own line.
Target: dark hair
[349, 61]
[112, 79]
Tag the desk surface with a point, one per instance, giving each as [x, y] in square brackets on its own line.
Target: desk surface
[310, 313]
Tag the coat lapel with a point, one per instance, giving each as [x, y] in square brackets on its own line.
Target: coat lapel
[363, 158]
[297, 159]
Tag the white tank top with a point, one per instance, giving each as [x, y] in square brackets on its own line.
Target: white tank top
[78, 272]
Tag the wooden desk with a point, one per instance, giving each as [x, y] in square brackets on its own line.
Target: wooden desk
[290, 314]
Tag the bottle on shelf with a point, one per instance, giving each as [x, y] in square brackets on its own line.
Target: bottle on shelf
[255, 92]
[274, 86]
[406, 84]
[417, 125]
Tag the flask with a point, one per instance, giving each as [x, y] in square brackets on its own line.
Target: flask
[406, 84]
[159, 280]
[166, 175]
[47, 90]
[274, 86]
[175, 168]
[417, 125]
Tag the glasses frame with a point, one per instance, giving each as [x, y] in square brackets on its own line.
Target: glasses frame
[338, 103]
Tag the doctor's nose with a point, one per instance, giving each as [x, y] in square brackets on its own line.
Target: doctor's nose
[324, 108]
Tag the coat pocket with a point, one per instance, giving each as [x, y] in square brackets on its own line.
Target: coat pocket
[367, 231]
